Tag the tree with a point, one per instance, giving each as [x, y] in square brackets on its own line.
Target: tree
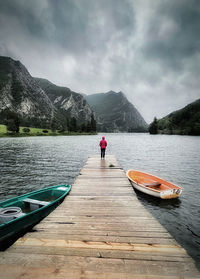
[54, 125]
[83, 127]
[153, 127]
[93, 123]
[73, 124]
[35, 122]
[12, 122]
[88, 127]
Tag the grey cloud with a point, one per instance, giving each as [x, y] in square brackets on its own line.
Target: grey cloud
[30, 15]
[84, 26]
[148, 49]
[175, 29]
[75, 25]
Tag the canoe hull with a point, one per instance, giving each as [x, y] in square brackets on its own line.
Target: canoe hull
[153, 186]
[13, 229]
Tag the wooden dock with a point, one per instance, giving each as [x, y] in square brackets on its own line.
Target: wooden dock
[102, 231]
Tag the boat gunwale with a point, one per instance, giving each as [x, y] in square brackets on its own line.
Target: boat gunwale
[151, 188]
[20, 198]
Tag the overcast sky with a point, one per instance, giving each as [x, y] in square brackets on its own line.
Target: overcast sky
[148, 49]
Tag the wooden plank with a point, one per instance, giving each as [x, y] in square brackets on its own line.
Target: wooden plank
[144, 234]
[91, 218]
[102, 253]
[99, 245]
[16, 271]
[104, 211]
[99, 198]
[100, 203]
[99, 185]
[102, 191]
[136, 267]
[89, 236]
[111, 225]
[96, 215]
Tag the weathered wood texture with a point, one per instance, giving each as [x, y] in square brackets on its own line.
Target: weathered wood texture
[102, 231]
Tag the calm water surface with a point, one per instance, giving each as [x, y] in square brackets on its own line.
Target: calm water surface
[27, 164]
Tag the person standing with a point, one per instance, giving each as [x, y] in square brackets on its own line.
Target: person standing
[103, 144]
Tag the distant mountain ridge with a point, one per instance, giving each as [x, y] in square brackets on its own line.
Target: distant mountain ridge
[185, 121]
[114, 113]
[39, 103]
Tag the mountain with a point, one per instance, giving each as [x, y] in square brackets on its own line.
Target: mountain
[38, 102]
[67, 102]
[21, 94]
[185, 121]
[114, 113]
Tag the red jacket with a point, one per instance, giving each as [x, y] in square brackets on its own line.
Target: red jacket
[103, 143]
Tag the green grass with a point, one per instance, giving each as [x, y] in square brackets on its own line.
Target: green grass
[33, 132]
[37, 132]
[3, 129]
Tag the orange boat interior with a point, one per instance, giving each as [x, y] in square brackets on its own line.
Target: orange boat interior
[150, 181]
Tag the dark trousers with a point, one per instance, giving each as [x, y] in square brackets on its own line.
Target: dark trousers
[103, 152]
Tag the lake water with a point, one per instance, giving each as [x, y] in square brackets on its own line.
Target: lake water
[30, 163]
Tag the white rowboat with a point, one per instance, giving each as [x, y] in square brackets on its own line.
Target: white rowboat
[153, 185]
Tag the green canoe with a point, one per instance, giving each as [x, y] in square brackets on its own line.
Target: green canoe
[19, 214]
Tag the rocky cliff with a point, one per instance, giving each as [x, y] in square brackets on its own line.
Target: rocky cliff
[20, 93]
[114, 113]
[38, 102]
[67, 102]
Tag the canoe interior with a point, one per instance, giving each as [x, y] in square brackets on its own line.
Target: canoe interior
[149, 181]
[47, 194]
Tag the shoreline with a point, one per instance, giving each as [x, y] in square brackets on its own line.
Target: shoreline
[46, 135]
[35, 132]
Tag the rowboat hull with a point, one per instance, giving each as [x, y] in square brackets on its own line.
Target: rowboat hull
[11, 230]
[153, 185]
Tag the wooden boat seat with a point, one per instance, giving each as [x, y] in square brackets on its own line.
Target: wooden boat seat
[34, 204]
[153, 184]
